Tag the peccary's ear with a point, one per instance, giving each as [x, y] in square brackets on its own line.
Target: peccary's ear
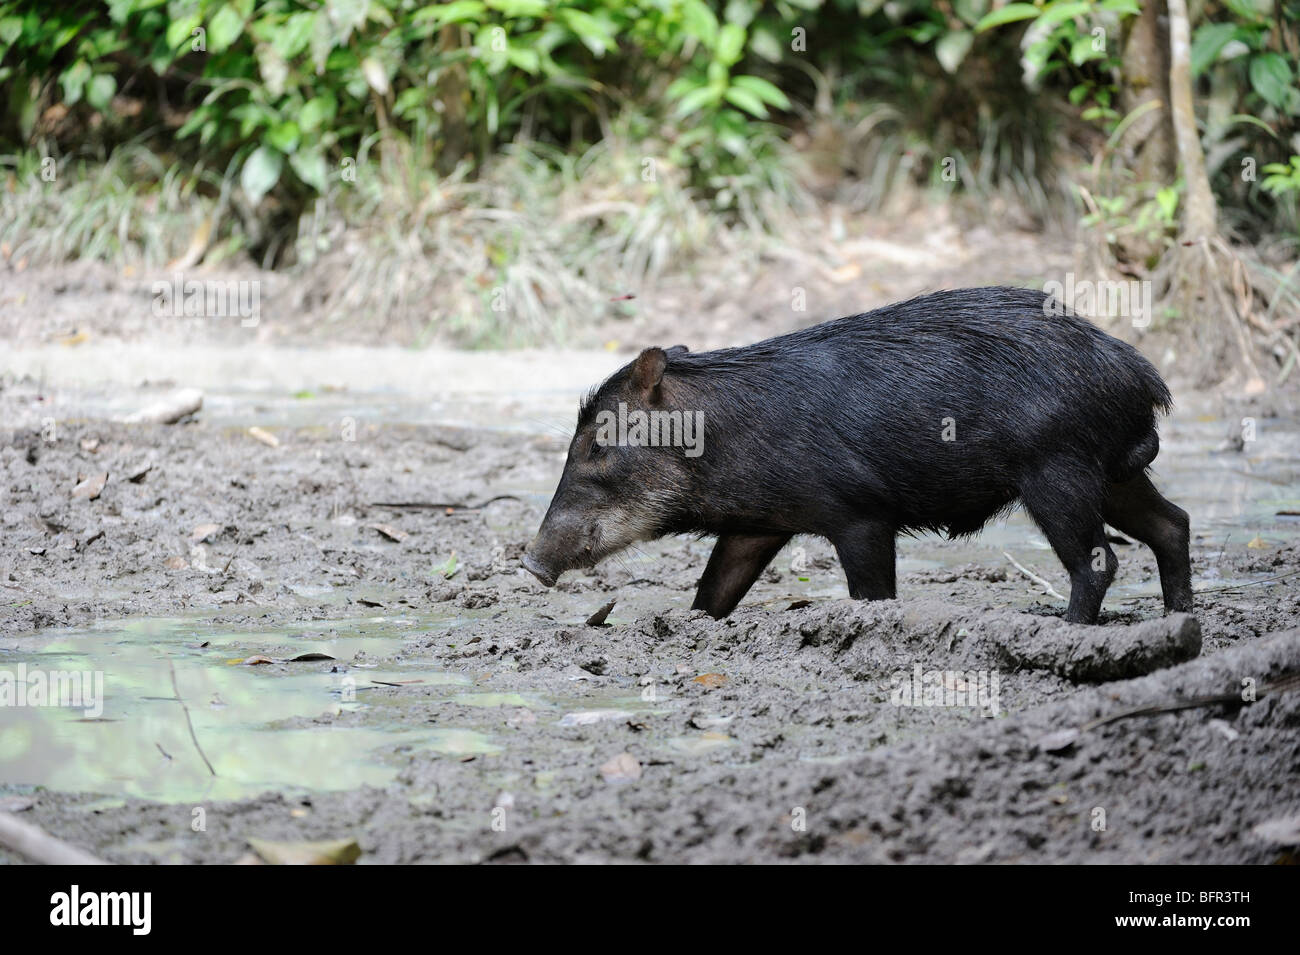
[648, 371]
[677, 350]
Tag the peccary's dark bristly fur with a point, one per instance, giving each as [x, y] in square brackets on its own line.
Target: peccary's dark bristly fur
[931, 414]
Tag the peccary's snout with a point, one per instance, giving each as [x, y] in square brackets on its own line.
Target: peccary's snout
[562, 543]
[537, 570]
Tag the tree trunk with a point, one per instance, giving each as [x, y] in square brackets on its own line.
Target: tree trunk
[1144, 65]
[1200, 211]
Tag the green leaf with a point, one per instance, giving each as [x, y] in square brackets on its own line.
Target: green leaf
[292, 37]
[317, 111]
[459, 11]
[180, 31]
[700, 22]
[1008, 14]
[527, 60]
[593, 34]
[764, 90]
[74, 80]
[261, 172]
[99, 93]
[697, 99]
[1060, 11]
[519, 8]
[731, 44]
[1270, 75]
[11, 28]
[1209, 41]
[681, 86]
[739, 96]
[224, 29]
[970, 11]
[765, 43]
[1084, 49]
[952, 49]
[309, 166]
[284, 136]
[1167, 199]
[1127, 7]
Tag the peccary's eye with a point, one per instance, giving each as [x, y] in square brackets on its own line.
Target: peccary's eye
[595, 450]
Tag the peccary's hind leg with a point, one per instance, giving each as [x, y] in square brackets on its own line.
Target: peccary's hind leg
[734, 565]
[1065, 501]
[1136, 508]
[866, 551]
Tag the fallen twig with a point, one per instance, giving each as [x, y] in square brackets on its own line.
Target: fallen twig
[188, 722]
[1033, 576]
[38, 845]
[441, 505]
[1284, 684]
[1249, 583]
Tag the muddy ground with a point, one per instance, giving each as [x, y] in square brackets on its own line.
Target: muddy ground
[469, 715]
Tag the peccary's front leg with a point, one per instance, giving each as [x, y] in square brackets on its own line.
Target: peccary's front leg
[734, 565]
[866, 551]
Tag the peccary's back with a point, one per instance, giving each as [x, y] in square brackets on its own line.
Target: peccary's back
[978, 383]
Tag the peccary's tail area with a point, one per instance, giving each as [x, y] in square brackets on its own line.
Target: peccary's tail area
[1136, 460]
[1145, 390]
[1142, 452]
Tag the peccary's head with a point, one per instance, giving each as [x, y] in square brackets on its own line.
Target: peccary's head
[627, 476]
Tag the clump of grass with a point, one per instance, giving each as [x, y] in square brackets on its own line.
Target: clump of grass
[130, 208]
[541, 242]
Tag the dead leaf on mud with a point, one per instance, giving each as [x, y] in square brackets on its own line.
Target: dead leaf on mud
[392, 533]
[846, 273]
[331, 852]
[91, 487]
[89, 445]
[138, 473]
[711, 681]
[1284, 831]
[255, 661]
[623, 768]
[1258, 543]
[176, 563]
[1059, 741]
[266, 437]
[204, 532]
[588, 717]
[799, 604]
[311, 655]
[597, 619]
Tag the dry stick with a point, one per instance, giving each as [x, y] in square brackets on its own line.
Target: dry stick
[188, 722]
[1249, 583]
[441, 505]
[1033, 576]
[39, 846]
[1221, 590]
[1287, 683]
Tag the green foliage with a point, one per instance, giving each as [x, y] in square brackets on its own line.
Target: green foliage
[289, 88]
[1283, 178]
[289, 95]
